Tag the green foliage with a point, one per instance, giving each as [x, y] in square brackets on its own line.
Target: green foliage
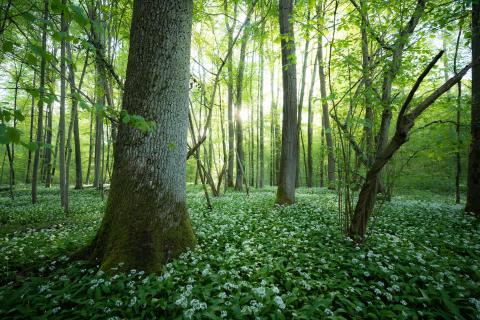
[8, 133]
[253, 260]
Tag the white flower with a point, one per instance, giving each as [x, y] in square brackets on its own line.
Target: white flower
[223, 314]
[328, 312]
[188, 313]
[278, 300]
[133, 301]
[260, 291]
[55, 310]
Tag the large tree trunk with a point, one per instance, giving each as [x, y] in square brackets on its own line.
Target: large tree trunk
[289, 156]
[325, 114]
[238, 110]
[36, 159]
[473, 182]
[146, 222]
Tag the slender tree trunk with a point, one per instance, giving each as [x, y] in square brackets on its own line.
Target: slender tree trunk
[74, 116]
[61, 129]
[458, 160]
[300, 101]
[11, 175]
[238, 109]
[48, 146]
[369, 120]
[261, 139]
[90, 149]
[392, 69]
[289, 156]
[473, 181]
[251, 131]
[100, 85]
[36, 160]
[310, 127]
[231, 123]
[55, 155]
[3, 165]
[15, 98]
[322, 156]
[325, 114]
[146, 223]
[30, 139]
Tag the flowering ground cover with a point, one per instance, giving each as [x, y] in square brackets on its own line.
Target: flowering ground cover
[254, 260]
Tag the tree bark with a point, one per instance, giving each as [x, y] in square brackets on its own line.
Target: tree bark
[261, 139]
[473, 180]
[300, 102]
[327, 130]
[36, 159]
[146, 222]
[48, 139]
[90, 149]
[366, 66]
[76, 129]
[100, 85]
[30, 139]
[289, 155]
[310, 127]
[61, 129]
[231, 123]
[238, 110]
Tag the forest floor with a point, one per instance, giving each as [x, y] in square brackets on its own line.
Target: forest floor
[254, 260]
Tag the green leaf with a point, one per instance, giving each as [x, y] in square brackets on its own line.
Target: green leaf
[7, 46]
[79, 15]
[31, 59]
[13, 134]
[18, 115]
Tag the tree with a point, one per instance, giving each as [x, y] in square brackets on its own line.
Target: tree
[100, 85]
[36, 158]
[405, 122]
[327, 130]
[473, 183]
[310, 127]
[146, 223]
[231, 130]
[61, 129]
[289, 154]
[238, 109]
